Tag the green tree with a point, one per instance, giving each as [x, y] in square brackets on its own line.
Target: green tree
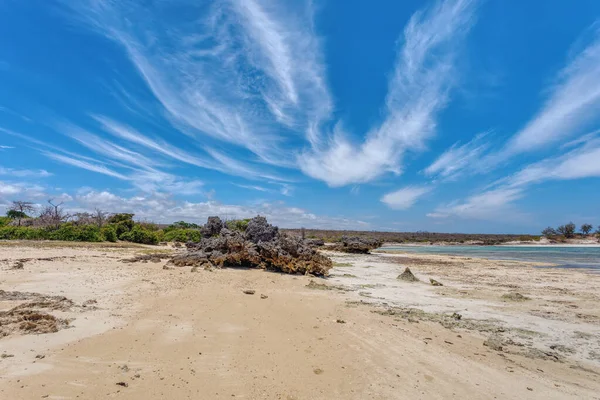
[19, 210]
[549, 231]
[567, 230]
[586, 229]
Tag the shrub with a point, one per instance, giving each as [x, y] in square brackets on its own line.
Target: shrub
[23, 233]
[66, 232]
[182, 225]
[140, 235]
[183, 235]
[4, 221]
[109, 233]
[237, 224]
[90, 233]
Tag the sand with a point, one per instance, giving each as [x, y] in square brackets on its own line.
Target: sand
[151, 333]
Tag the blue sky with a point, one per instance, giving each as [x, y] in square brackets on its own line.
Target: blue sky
[455, 116]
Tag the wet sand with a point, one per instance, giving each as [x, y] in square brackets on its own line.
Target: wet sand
[360, 334]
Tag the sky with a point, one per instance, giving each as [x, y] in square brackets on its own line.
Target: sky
[448, 116]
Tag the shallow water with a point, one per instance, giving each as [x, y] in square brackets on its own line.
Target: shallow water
[563, 257]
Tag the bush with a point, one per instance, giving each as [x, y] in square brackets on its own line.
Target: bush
[90, 233]
[109, 233]
[182, 235]
[237, 224]
[23, 233]
[181, 225]
[66, 232]
[4, 221]
[140, 235]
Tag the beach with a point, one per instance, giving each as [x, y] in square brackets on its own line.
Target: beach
[494, 329]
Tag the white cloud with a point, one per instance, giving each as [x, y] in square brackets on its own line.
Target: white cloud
[572, 105]
[497, 202]
[24, 173]
[494, 204]
[405, 198]
[419, 88]
[6, 147]
[458, 159]
[164, 209]
[238, 73]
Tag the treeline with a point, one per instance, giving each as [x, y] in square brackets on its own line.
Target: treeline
[569, 231]
[412, 237]
[24, 221]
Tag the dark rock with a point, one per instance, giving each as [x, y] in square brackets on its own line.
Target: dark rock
[259, 230]
[249, 291]
[260, 246]
[434, 282]
[213, 227]
[314, 242]
[356, 245]
[407, 276]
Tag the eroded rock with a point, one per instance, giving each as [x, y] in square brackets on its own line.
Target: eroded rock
[407, 276]
[356, 245]
[260, 246]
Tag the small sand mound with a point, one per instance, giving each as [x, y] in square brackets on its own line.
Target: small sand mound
[407, 276]
[515, 297]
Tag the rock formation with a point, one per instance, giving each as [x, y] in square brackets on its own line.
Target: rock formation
[260, 246]
[356, 245]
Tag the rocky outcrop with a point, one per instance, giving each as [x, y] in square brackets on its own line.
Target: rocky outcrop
[212, 227]
[260, 246]
[356, 245]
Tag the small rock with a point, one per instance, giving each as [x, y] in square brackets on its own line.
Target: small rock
[407, 276]
[88, 303]
[167, 267]
[515, 297]
[318, 371]
[40, 356]
[456, 316]
[124, 368]
[264, 296]
[530, 389]
[124, 384]
[249, 291]
[340, 321]
[5, 355]
[434, 282]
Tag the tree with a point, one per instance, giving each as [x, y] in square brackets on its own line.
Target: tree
[19, 210]
[53, 214]
[549, 231]
[99, 217]
[586, 229]
[567, 230]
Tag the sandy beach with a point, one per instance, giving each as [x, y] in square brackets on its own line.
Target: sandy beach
[495, 329]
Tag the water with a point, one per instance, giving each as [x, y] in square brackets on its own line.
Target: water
[563, 257]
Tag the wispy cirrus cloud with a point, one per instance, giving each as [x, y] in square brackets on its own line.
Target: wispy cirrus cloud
[458, 158]
[418, 89]
[238, 72]
[498, 201]
[571, 106]
[24, 173]
[6, 147]
[403, 199]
